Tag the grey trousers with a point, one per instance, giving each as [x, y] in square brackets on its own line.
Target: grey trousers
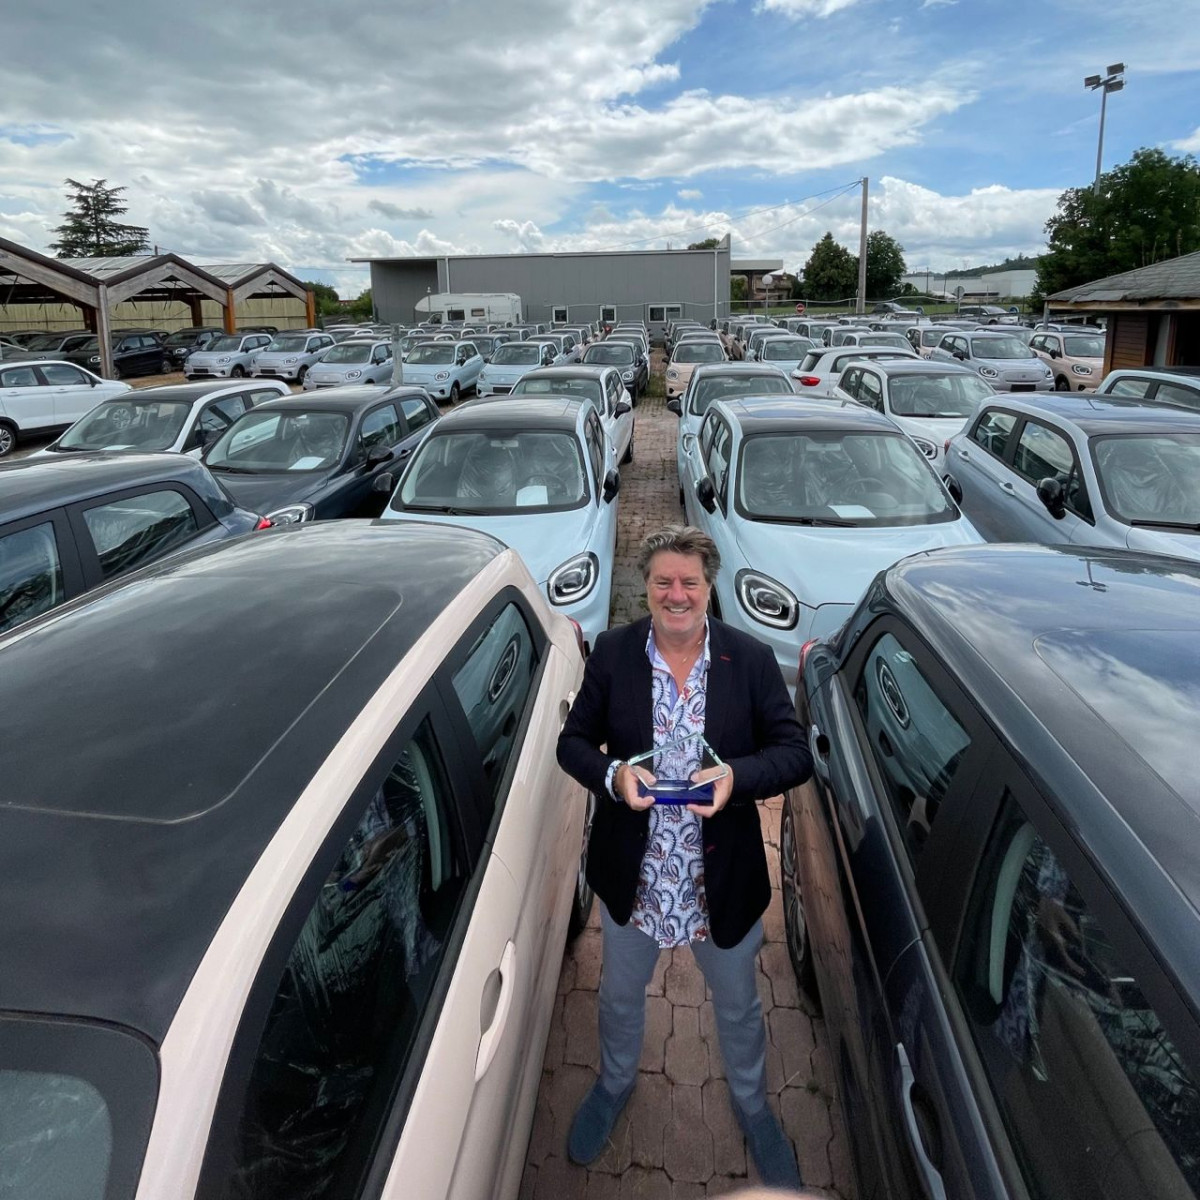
[629, 960]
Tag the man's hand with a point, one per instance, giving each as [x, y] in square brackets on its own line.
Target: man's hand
[625, 784]
[721, 792]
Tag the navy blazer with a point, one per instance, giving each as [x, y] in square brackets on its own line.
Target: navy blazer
[748, 721]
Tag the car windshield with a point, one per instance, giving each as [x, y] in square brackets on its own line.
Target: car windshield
[999, 348]
[1084, 347]
[494, 471]
[280, 441]
[932, 337]
[45, 341]
[936, 395]
[617, 354]
[128, 425]
[436, 355]
[698, 352]
[724, 387]
[1024, 336]
[224, 343]
[517, 354]
[839, 362]
[348, 352]
[560, 387]
[852, 478]
[786, 349]
[181, 338]
[1151, 478]
[882, 339]
[288, 345]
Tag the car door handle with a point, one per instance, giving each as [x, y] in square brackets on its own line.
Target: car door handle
[964, 454]
[492, 1023]
[931, 1178]
[688, 439]
[1009, 487]
[404, 452]
[818, 746]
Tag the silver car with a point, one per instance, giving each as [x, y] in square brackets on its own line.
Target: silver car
[291, 355]
[360, 360]
[230, 356]
[1083, 471]
[509, 363]
[999, 358]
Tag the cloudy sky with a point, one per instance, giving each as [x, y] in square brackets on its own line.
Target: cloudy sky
[309, 133]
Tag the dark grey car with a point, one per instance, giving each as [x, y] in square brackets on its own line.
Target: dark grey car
[991, 882]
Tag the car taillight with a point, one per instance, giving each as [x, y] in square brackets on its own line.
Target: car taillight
[263, 523]
[804, 654]
[946, 446]
[579, 637]
[810, 380]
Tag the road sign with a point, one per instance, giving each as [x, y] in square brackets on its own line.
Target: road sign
[800, 309]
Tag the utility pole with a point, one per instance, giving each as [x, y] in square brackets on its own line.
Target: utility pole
[1113, 80]
[862, 253]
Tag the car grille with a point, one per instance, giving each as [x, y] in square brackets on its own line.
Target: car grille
[498, 388]
[1024, 387]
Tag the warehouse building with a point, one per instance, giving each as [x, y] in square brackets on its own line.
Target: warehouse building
[647, 285]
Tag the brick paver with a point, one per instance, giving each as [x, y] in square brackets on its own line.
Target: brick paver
[677, 1139]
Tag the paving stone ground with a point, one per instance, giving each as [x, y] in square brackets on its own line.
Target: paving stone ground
[677, 1139]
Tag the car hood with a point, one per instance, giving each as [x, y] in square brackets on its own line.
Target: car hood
[1163, 541]
[265, 493]
[505, 373]
[834, 565]
[210, 358]
[281, 356]
[423, 372]
[340, 370]
[932, 429]
[543, 540]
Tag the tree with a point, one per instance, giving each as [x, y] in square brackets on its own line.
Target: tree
[831, 272]
[90, 228]
[326, 297]
[737, 288]
[1146, 210]
[707, 244]
[362, 308]
[885, 265]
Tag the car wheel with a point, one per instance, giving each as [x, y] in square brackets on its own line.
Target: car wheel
[629, 449]
[8, 438]
[117, 372]
[1061, 384]
[165, 367]
[581, 904]
[795, 925]
[300, 374]
[681, 500]
[455, 393]
[238, 372]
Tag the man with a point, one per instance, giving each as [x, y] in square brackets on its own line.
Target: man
[694, 875]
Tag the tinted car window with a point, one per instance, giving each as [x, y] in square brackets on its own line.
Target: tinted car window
[416, 412]
[493, 686]
[1129, 387]
[992, 431]
[18, 377]
[1173, 393]
[1098, 1101]
[915, 740]
[1044, 453]
[127, 533]
[31, 580]
[380, 427]
[63, 375]
[356, 983]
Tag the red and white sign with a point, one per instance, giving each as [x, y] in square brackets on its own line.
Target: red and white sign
[800, 309]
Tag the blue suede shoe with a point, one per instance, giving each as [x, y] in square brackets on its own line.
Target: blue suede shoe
[593, 1123]
[771, 1151]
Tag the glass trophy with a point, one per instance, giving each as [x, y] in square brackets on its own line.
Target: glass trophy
[680, 791]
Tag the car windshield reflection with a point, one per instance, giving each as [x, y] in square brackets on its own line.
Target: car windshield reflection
[127, 425]
[274, 441]
[1151, 479]
[729, 387]
[937, 395]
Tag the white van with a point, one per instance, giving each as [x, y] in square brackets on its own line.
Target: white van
[471, 308]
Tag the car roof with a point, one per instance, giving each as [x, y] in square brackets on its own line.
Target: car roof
[1095, 415]
[735, 368]
[34, 485]
[519, 410]
[571, 371]
[1041, 638]
[987, 333]
[192, 391]
[352, 398]
[783, 414]
[919, 366]
[119, 860]
[1188, 373]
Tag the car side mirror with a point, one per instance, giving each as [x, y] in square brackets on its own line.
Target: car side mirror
[954, 488]
[383, 483]
[92, 381]
[1051, 494]
[612, 485]
[706, 494]
[1056, 354]
[960, 355]
[622, 409]
[377, 456]
[673, 405]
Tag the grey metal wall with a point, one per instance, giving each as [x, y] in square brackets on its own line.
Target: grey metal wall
[583, 282]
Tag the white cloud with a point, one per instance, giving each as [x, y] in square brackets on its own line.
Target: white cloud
[798, 9]
[1188, 145]
[397, 212]
[689, 194]
[937, 3]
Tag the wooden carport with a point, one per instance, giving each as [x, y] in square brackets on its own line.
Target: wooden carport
[260, 281]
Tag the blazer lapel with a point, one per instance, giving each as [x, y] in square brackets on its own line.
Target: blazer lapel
[641, 678]
[720, 680]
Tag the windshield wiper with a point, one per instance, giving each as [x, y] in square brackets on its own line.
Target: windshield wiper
[448, 509]
[839, 522]
[231, 470]
[1193, 526]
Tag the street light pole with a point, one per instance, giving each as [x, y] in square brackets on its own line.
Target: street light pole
[862, 253]
[1113, 80]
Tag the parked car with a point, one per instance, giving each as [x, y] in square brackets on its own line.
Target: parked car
[178, 417]
[870, 337]
[50, 345]
[446, 370]
[924, 339]
[1023, 333]
[989, 879]
[132, 354]
[538, 474]
[685, 358]
[785, 353]
[822, 367]
[67, 526]
[182, 342]
[760, 335]
[806, 502]
[988, 314]
[290, 355]
[1076, 359]
[509, 363]
[316, 456]
[229, 356]
[1175, 387]
[39, 397]
[836, 335]
[602, 386]
[1083, 471]
[356, 847]
[565, 349]
[1004, 361]
[931, 402]
[356, 360]
[627, 358]
[814, 329]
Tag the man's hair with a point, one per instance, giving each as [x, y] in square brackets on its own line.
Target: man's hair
[680, 539]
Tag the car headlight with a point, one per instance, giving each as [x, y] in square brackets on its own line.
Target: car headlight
[353, 374]
[289, 361]
[94, 359]
[225, 359]
[627, 376]
[929, 449]
[988, 372]
[574, 579]
[767, 601]
[1078, 370]
[672, 374]
[1049, 374]
[442, 375]
[484, 377]
[291, 514]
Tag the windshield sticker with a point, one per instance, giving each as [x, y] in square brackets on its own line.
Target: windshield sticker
[852, 511]
[534, 495]
[307, 463]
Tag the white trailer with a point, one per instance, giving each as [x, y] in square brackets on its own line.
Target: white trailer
[484, 308]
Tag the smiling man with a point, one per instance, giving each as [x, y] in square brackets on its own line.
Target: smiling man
[675, 686]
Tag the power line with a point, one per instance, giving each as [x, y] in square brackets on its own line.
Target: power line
[809, 211]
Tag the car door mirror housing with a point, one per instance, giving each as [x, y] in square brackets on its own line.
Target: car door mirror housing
[622, 409]
[612, 485]
[383, 483]
[706, 494]
[674, 405]
[377, 456]
[1052, 494]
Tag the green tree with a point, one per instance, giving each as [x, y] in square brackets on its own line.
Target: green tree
[328, 303]
[361, 307]
[90, 228]
[737, 288]
[885, 265]
[707, 244]
[831, 272]
[1146, 210]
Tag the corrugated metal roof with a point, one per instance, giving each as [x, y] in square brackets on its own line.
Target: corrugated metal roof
[106, 268]
[1172, 279]
[233, 273]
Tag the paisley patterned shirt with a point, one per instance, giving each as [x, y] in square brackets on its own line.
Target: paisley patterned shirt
[670, 905]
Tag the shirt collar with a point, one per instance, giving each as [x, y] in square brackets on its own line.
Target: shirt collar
[658, 663]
